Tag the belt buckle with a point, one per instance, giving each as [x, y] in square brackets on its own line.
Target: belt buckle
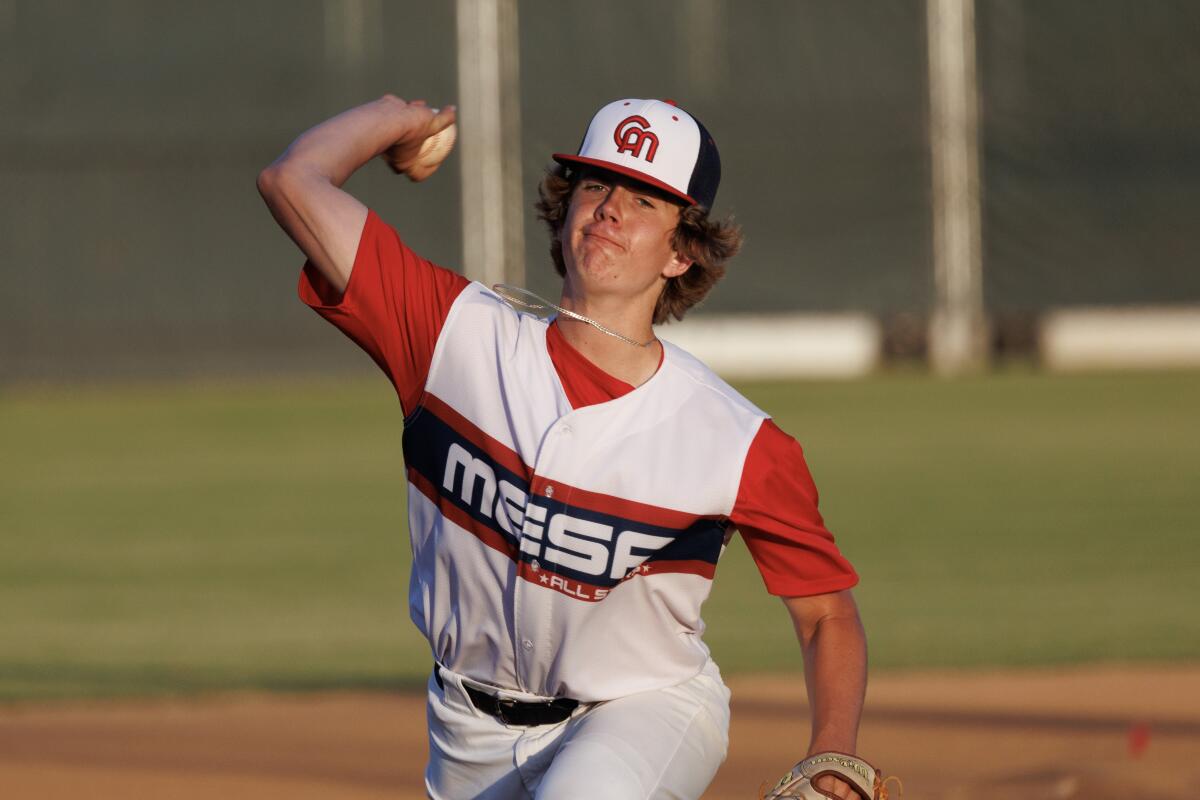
[504, 705]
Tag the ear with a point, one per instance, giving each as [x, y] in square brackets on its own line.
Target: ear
[676, 266]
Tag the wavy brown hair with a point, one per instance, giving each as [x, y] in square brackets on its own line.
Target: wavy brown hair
[708, 244]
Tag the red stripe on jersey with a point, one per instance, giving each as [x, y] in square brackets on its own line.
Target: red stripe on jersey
[591, 593]
[562, 584]
[508, 458]
[504, 455]
[459, 517]
[701, 568]
[631, 510]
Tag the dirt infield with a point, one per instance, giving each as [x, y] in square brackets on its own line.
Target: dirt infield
[1094, 733]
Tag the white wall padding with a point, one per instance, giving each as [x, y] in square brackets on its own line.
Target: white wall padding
[781, 345]
[1125, 338]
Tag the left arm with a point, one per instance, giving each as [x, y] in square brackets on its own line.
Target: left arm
[835, 671]
[776, 512]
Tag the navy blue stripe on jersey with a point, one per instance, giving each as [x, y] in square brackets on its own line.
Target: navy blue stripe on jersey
[588, 545]
[601, 549]
[465, 475]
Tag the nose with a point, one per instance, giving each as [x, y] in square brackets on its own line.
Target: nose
[612, 207]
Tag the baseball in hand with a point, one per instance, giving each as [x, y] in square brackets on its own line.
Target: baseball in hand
[435, 149]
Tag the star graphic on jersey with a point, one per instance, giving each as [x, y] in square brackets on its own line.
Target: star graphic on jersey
[545, 578]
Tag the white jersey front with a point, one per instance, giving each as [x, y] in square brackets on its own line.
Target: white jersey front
[558, 551]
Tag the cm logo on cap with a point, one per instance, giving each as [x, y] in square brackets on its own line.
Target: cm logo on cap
[632, 133]
[688, 167]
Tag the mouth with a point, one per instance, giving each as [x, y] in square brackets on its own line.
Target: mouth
[601, 238]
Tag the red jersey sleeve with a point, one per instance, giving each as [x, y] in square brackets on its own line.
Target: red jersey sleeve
[394, 306]
[777, 515]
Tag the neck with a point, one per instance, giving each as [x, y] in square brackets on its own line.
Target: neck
[628, 362]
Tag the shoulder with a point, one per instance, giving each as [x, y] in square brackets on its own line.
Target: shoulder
[480, 314]
[479, 301]
[710, 386]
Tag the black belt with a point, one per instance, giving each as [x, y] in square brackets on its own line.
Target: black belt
[516, 712]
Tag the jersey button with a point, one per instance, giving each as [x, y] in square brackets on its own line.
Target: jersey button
[549, 492]
[527, 645]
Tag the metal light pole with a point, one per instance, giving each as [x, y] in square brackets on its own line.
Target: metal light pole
[489, 111]
[958, 330]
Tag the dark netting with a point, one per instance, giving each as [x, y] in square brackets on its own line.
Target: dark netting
[1092, 152]
[818, 110]
[132, 237]
[133, 242]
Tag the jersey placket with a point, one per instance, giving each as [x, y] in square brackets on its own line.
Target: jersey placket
[533, 609]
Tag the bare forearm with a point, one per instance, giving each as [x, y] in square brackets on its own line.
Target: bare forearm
[302, 188]
[835, 666]
[835, 674]
[338, 147]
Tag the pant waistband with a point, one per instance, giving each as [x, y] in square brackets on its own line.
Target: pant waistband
[515, 712]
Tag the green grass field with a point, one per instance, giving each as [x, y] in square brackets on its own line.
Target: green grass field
[189, 538]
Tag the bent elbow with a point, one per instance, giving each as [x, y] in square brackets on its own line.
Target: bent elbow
[269, 181]
[286, 179]
[279, 185]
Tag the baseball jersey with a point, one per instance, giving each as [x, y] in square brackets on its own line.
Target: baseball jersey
[566, 527]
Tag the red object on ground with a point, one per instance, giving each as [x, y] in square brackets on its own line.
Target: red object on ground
[1139, 739]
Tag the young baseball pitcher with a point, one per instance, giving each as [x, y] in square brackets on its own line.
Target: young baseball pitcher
[573, 481]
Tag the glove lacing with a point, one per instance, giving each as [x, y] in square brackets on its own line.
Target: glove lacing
[881, 787]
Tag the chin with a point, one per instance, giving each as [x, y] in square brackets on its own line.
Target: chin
[592, 268]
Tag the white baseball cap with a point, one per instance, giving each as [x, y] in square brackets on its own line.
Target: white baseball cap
[656, 142]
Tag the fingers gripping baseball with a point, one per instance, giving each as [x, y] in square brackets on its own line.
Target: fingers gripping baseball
[420, 152]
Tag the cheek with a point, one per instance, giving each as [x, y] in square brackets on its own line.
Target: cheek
[580, 205]
[667, 245]
[571, 222]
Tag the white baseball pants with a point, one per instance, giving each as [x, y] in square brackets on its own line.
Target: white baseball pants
[665, 744]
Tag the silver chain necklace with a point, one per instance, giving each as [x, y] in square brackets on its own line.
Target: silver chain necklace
[507, 293]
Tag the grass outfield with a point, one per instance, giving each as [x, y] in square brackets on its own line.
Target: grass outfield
[189, 538]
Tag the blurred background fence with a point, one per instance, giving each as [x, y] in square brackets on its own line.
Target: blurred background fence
[132, 241]
[244, 534]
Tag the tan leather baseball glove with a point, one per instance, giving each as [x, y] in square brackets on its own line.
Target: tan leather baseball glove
[862, 777]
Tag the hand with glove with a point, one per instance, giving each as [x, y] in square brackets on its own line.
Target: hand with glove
[831, 775]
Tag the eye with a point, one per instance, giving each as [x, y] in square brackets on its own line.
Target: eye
[594, 186]
[644, 203]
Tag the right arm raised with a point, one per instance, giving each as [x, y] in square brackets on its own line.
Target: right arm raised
[303, 186]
